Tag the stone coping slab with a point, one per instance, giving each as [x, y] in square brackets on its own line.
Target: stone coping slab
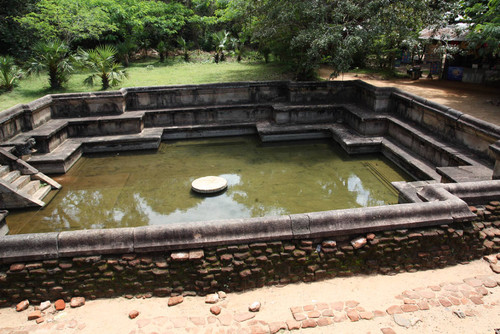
[443, 208]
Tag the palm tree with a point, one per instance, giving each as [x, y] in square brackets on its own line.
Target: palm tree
[9, 73]
[220, 45]
[185, 47]
[101, 62]
[54, 57]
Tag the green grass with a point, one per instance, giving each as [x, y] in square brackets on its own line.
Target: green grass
[152, 73]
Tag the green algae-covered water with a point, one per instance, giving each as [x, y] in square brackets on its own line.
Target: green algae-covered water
[153, 188]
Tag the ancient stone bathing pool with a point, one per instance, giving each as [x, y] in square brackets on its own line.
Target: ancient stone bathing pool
[153, 188]
[309, 203]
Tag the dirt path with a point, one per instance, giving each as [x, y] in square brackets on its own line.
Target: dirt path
[327, 305]
[477, 100]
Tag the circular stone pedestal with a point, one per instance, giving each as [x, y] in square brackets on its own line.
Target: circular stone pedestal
[209, 184]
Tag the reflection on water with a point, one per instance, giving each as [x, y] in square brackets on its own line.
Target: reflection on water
[129, 190]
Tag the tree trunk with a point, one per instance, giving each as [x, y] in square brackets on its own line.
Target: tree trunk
[105, 81]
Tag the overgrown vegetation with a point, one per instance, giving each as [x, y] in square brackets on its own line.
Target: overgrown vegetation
[300, 34]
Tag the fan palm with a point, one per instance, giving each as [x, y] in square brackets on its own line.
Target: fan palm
[54, 57]
[101, 62]
[9, 73]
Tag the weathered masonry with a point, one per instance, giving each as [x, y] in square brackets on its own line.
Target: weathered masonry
[432, 226]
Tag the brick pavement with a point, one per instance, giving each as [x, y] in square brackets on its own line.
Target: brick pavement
[468, 294]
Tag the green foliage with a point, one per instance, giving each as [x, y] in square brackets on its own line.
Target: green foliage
[484, 16]
[185, 46]
[69, 20]
[55, 58]
[221, 44]
[9, 73]
[101, 62]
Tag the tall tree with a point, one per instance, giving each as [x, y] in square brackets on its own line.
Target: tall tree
[484, 17]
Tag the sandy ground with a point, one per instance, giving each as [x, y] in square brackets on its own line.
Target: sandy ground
[479, 101]
[372, 292]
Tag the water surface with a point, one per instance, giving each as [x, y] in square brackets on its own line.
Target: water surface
[152, 188]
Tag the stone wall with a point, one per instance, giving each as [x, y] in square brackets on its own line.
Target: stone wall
[249, 265]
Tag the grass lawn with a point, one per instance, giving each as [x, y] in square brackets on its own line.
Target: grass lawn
[152, 73]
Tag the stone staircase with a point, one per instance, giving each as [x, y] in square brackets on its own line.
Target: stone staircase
[18, 190]
[61, 142]
[22, 185]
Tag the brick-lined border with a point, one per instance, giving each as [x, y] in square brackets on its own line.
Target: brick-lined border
[243, 266]
[463, 296]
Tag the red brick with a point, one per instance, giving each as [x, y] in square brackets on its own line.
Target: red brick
[296, 309]
[445, 302]
[324, 322]
[309, 323]
[366, 315]
[40, 320]
[409, 301]
[22, 305]
[35, 315]
[339, 317]
[378, 313]
[133, 314]
[353, 315]
[314, 314]
[172, 301]
[454, 301]
[409, 308]
[215, 309]
[394, 309]
[476, 300]
[351, 303]
[309, 307]
[196, 254]
[16, 267]
[337, 306]
[387, 331]
[482, 290]
[275, 327]
[423, 305]
[322, 306]
[435, 287]
[299, 316]
[180, 256]
[60, 305]
[293, 324]
[427, 294]
[327, 313]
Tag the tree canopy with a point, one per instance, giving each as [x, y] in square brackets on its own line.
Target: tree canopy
[302, 33]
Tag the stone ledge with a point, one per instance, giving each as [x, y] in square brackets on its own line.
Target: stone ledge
[178, 236]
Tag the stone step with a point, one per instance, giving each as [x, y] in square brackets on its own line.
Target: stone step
[4, 170]
[269, 132]
[58, 161]
[413, 164]
[42, 192]
[11, 176]
[354, 143]
[31, 188]
[21, 181]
